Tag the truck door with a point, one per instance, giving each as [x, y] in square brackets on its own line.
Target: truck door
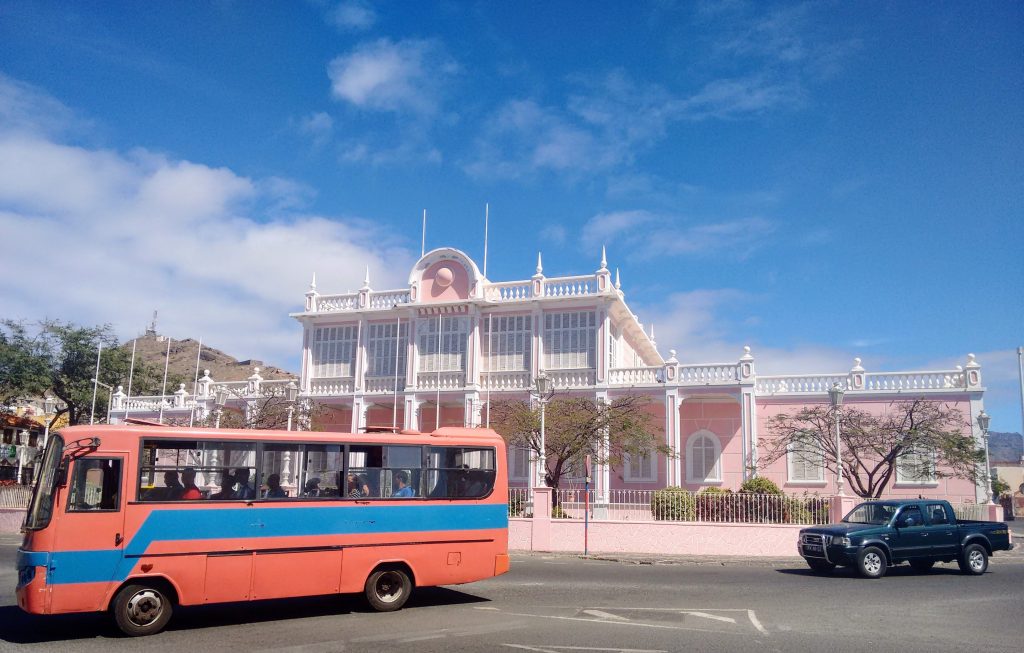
[90, 533]
[942, 530]
[910, 539]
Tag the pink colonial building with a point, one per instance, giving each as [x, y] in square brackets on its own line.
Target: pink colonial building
[436, 351]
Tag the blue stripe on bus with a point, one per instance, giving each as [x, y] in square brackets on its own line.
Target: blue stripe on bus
[245, 523]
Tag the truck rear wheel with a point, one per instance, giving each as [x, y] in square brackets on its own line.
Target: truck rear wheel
[974, 560]
[871, 562]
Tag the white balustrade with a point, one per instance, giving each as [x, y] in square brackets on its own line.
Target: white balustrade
[714, 374]
[808, 383]
[581, 378]
[634, 376]
[913, 380]
[505, 380]
[329, 303]
[447, 381]
[331, 387]
[570, 286]
[510, 291]
[384, 384]
[388, 298]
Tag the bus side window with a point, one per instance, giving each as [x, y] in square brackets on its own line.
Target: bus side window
[96, 485]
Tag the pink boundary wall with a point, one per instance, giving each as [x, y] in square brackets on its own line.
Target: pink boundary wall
[11, 519]
[663, 537]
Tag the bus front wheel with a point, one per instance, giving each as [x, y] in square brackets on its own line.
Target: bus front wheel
[388, 589]
[142, 609]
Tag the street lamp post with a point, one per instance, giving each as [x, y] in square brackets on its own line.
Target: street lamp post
[542, 392]
[291, 393]
[835, 395]
[983, 420]
[220, 399]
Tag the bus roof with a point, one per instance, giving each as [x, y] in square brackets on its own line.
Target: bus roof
[122, 433]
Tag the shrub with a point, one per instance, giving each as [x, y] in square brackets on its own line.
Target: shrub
[759, 485]
[558, 513]
[673, 504]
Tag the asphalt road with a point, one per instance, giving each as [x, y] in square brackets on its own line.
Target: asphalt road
[562, 604]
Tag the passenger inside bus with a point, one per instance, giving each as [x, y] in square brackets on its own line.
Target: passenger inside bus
[402, 482]
[244, 490]
[312, 488]
[188, 478]
[227, 487]
[274, 489]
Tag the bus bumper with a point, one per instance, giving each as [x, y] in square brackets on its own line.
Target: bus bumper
[31, 591]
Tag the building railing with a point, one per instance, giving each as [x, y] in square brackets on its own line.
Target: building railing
[659, 505]
[331, 303]
[520, 502]
[634, 376]
[508, 380]
[714, 374]
[388, 298]
[807, 383]
[579, 286]
[913, 380]
[384, 384]
[873, 381]
[577, 378]
[331, 387]
[443, 381]
[510, 291]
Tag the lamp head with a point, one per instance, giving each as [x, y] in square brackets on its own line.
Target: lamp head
[835, 395]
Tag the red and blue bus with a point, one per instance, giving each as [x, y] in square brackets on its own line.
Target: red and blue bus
[139, 519]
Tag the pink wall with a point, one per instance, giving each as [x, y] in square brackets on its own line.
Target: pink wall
[445, 281]
[668, 538]
[954, 489]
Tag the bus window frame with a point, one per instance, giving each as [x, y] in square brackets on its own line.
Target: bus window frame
[138, 477]
[69, 507]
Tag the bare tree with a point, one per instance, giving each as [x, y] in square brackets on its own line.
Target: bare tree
[924, 438]
[267, 411]
[576, 427]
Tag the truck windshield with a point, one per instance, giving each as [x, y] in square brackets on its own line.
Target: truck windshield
[870, 513]
[41, 507]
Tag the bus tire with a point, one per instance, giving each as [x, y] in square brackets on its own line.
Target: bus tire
[388, 588]
[142, 609]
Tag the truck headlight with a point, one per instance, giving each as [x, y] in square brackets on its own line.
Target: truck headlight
[841, 541]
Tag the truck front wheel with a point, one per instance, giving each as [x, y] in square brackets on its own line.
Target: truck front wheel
[974, 560]
[871, 562]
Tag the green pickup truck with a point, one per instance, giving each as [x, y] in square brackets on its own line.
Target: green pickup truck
[880, 534]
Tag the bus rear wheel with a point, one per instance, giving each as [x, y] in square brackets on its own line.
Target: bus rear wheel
[388, 589]
[142, 609]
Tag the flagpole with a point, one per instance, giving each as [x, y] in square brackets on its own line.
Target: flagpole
[437, 413]
[490, 357]
[423, 242]
[95, 383]
[163, 388]
[131, 375]
[195, 384]
[398, 332]
[487, 217]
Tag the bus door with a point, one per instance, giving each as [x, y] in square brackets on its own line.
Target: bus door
[90, 533]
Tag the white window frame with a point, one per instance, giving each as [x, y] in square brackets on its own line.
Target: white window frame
[802, 459]
[902, 475]
[570, 339]
[641, 468]
[713, 475]
[334, 351]
[380, 349]
[508, 348]
[454, 336]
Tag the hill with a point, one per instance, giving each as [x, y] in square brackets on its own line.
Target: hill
[152, 348]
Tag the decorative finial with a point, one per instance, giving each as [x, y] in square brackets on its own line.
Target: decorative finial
[604, 259]
[312, 284]
[618, 284]
[540, 268]
[652, 330]
[747, 356]
[366, 279]
[856, 365]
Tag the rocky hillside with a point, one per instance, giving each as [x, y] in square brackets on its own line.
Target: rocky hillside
[152, 348]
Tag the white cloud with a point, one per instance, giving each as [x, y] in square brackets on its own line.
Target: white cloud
[355, 16]
[667, 235]
[385, 75]
[109, 236]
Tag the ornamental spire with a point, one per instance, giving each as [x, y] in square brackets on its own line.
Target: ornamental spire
[312, 284]
[540, 268]
[604, 260]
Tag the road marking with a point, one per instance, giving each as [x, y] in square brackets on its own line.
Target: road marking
[486, 607]
[757, 624]
[604, 615]
[617, 623]
[705, 615]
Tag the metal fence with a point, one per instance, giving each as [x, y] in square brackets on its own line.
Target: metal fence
[677, 505]
[975, 511]
[15, 496]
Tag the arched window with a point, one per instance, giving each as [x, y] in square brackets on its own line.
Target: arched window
[702, 458]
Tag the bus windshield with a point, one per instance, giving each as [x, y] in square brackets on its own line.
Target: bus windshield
[41, 507]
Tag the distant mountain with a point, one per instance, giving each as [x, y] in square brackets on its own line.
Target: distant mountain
[1005, 448]
[152, 348]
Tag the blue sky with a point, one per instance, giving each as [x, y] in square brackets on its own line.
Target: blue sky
[818, 181]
